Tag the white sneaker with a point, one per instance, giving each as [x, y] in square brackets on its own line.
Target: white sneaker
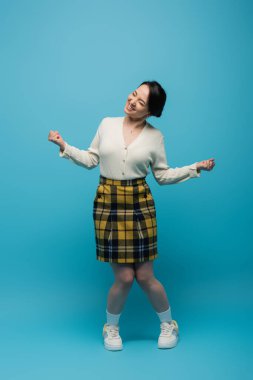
[169, 334]
[112, 339]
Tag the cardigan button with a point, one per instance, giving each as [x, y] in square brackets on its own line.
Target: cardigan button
[99, 196]
[145, 196]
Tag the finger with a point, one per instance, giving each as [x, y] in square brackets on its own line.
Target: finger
[55, 139]
[56, 136]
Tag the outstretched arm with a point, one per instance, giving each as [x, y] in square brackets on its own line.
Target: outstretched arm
[87, 158]
[164, 174]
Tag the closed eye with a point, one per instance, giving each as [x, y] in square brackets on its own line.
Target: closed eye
[141, 101]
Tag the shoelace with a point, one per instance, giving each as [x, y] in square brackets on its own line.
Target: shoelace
[167, 328]
[113, 331]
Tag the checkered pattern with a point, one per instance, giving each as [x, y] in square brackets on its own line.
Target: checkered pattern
[125, 224]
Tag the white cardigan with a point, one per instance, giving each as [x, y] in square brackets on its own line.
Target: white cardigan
[118, 161]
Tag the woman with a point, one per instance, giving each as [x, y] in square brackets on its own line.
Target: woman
[124, 210]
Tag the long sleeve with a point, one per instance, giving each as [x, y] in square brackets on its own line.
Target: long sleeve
[86, 158]
[162, 172]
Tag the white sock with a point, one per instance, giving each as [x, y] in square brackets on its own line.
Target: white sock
[112, 319]
[165, 316]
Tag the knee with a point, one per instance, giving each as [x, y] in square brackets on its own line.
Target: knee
[144, 279]
[126, 279]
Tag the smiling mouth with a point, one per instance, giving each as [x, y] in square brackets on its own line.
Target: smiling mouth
[130, 108]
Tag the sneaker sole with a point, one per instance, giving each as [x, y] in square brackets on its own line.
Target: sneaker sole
[168, 346]
[113, 348]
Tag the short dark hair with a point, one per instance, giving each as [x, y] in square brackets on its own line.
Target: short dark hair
[157, 98]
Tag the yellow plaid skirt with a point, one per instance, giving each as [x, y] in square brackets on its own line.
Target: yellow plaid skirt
[124, 218]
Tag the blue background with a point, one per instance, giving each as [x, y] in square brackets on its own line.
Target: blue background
[64, 66]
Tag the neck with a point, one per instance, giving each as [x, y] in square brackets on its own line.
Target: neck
[135, 123]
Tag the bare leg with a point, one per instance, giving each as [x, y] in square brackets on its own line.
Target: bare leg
[124, 277]
[153, 288]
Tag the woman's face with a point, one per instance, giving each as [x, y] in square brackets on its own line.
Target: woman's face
[137, 103]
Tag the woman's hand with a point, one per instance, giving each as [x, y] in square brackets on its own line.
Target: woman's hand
[206, 165]
[56, 138]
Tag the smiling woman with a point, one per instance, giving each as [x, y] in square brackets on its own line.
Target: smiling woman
[124, 211]
[147, 100]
